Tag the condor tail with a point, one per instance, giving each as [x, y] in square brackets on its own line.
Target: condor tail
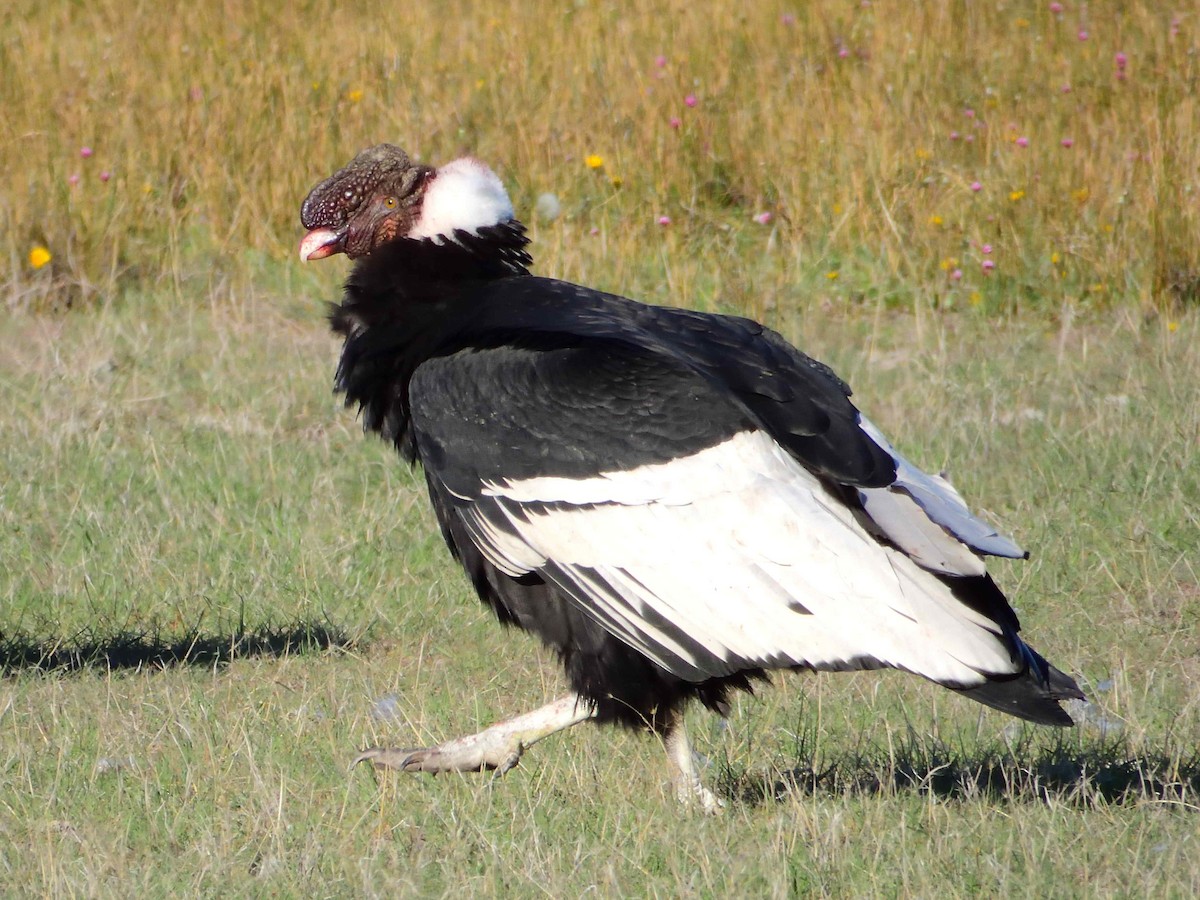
[1035, 693]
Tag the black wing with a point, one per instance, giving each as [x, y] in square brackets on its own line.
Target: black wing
[799, 401]
[646, 491]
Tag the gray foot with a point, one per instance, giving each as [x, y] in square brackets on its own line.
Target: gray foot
[496, 749]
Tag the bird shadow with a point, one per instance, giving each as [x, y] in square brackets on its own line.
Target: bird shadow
[1105, 773]
[129, 649]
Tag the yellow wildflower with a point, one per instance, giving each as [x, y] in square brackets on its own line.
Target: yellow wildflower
[355, 95]
[594, 161]
[948, 263]
[1022, 23]
[922, 153]
[1172, 327]
[1054, 258]
[1014, 196]
[935, 220]
[837, 209]
[617, 181]
[1081, 195]
[832, 276]
[976, 298]
[39, 256]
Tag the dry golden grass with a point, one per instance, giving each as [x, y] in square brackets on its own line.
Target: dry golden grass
[210, 580]
[837, 118]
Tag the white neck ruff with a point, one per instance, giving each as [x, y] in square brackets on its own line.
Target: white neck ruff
[464, 196]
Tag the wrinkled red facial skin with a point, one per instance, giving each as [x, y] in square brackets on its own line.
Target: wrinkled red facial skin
[374, 199]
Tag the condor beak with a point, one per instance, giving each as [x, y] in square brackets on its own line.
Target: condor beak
[321, 242]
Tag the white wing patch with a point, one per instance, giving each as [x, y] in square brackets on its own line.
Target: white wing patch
[735, 557]
[927, 518]
[927, 543]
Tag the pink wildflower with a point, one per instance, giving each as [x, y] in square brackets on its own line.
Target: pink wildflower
[690, 100]
[85, 152]
[976, 186]
[763, 218]
[1022, 142]
[664, 220]
[988, 265]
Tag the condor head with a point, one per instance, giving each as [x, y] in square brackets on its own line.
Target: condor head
[382, 195]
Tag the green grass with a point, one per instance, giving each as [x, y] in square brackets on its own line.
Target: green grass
[212, 580]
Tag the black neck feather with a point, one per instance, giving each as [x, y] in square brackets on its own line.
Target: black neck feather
[396, 305]
[403, 273]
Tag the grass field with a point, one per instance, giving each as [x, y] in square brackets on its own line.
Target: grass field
[214, 590]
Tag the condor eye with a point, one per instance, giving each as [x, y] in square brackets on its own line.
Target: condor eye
[390, 202]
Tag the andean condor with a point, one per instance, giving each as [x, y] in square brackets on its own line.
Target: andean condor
[676, 502]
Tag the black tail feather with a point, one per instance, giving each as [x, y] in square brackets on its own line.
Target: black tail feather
[1034, 694]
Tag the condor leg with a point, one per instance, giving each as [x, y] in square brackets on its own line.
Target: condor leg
[686, 774]
[498, 747]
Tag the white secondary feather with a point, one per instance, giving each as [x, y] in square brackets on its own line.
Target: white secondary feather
[464, 196]
[927, 543]
[733, 557]
[944, 537]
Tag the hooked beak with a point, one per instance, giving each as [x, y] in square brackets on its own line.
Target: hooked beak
[321, 242]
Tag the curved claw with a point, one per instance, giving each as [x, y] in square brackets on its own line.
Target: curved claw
[388, 757]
